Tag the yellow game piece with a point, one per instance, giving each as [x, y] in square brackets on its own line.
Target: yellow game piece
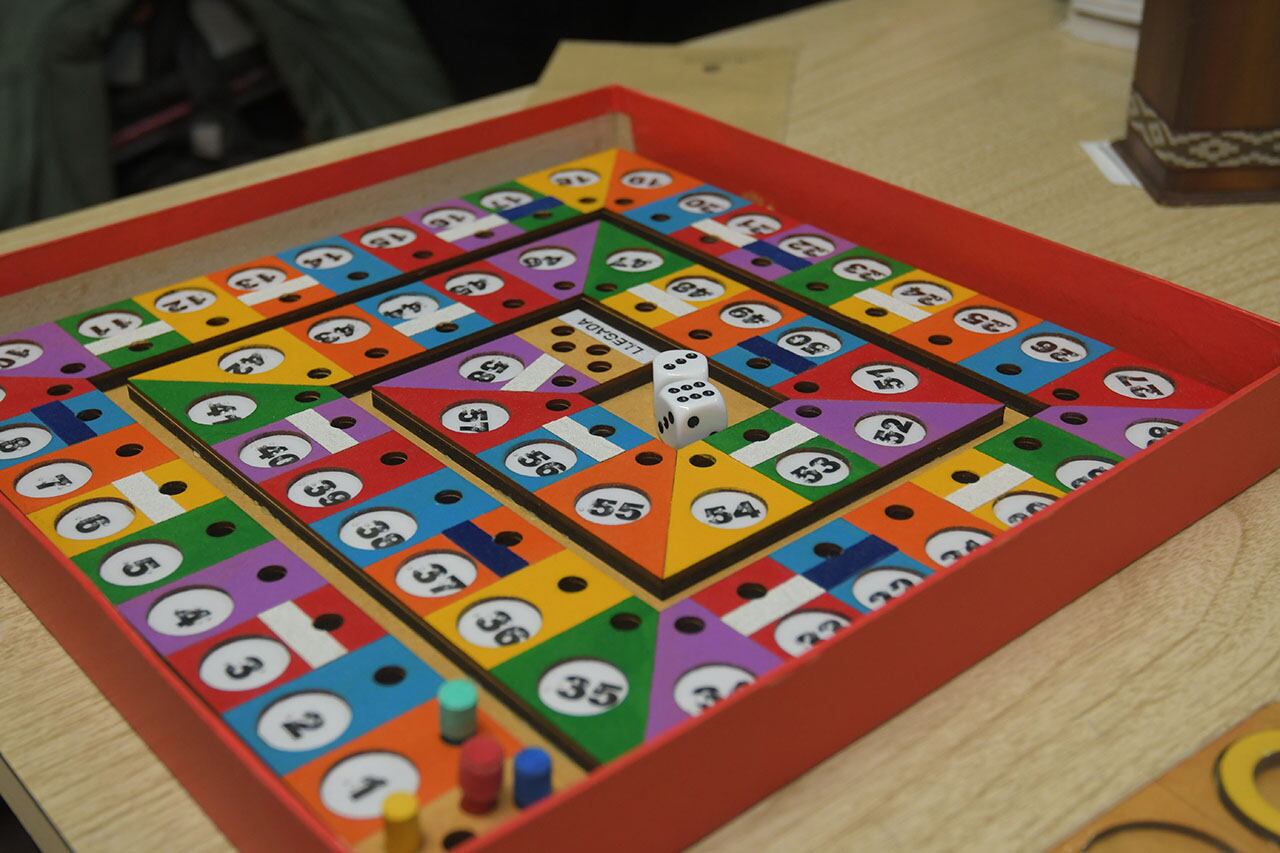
[400, 823]
[1238, 779]
[583, 183]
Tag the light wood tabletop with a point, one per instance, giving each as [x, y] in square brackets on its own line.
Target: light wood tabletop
[983, 104]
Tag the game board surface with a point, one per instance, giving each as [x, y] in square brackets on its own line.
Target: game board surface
[454, 408]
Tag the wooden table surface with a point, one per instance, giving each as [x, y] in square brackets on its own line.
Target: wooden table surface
[980, 103]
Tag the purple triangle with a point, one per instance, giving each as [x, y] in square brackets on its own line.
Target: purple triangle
[1105, 425]
[679, 652]
[837, 419]
[447, 374]
[580, 241]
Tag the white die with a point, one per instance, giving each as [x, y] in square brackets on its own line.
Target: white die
[677, 365]
[689, 411]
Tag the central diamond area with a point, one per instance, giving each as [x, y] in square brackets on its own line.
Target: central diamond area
[557, 412]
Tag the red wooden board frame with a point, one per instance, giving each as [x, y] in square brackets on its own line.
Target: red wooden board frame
[898, 655]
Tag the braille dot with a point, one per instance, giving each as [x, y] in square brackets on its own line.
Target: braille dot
[808, 411]
[358, 275]
[173, 487]
[217, 321]
[558, 404]
[898, 512]
[598, 349]
[542, 214]
[751, 590]
[806, 387]
[876, 311]
[756, 434]
[58, 390]
[376, 352]
[291, 297]
[760, 262]
[939, 340]
[1074, 418]
[606, 287]
[758, 363]
[602, 430]
[423, 254]
[690, 625]
[389, 675]
[508, 538]
[827, 550]
[1008, 369]
[89, 414]
[622, 202]
[1067, 394]
[271, 574]
[140, 346]
[395, 457]
[513, 303]
[319, 373]
[700, 334]
[563, 381]
[648, 457]
[625, 621]
[343, 422]
[447, 328]
[327, 622]
[448, 496]
[1026, 442]
[483, 235]
[220, 528]
[307, 396]
[564, 346]
[561, 331]
[127, 450]
[600, 366]
[701, 460]
[816, 286]
[571, 583]
[659, 217]
[707, 238]
[564, 285]
[646, 307]
[72, 367]
[587, 199]
[965, 477]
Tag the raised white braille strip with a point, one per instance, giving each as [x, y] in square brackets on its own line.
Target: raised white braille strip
[776, 603]
[120, 340]
[668, 302]
[275, 291]
[719, 230]
[905, 310]
[447, 314]
[141, 491]
[317, 428]
[579, 437]
[988, 488]
[779, 442]
[468, 229]
[291, 624]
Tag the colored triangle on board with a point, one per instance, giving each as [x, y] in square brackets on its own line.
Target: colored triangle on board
[1119, 429]
[835, 382]
[568, 181]
[543, 269]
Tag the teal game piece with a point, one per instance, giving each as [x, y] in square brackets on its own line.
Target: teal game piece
[457, 710]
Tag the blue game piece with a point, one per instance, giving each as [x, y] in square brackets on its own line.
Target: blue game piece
[532, 776]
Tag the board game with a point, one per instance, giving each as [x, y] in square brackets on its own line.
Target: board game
[308, 495]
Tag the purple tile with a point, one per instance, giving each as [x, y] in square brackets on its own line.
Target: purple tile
[447, 373]
[457, 221]
[839, 417]
[579, 241]
[679, 653]
[59, 349]
[312, 437]
[1105, 426]
[237, 577]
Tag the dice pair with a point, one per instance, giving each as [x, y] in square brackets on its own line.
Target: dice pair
[686, 406]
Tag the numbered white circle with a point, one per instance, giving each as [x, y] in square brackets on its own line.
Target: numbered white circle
[708, 204]
[23, 440]
[190, 611]
[926, 294]
[221, 409]
[275, 450]
[505, 200]
[985, 321]
[184, 299]
[338, 330]
[756, 224]
[109, 323]
[574, 178]
[862, 269]
[541, 459]
[612, 505]
[811, 246]
[1054, 348]
[646, 179]
[810, 343]
[701, 687]
[376, 529]
[800, 632]
[875, 588]
[304, 721]
[751, 315]
[884, 378]
[248, 361]
[245, 663]
[355, 787]
[1017, 507]
[729, 509]
[387, 237]
[405, 306]
[436, 574]
[140, 564]
[812, 468]
[633, 260]
[890, 430]
[1074, 473]
[1138, 384]
[447, 217]
[583, 687]
[324, 488]
[474, 284]
[947, 546]
[695, 288]
[95, 519]
[474, 417]
[53, 479]
[547, 258]
[1146, 433]
[499, 622]
[255, 278]
[18, 354]
[491, 367]
[324, 258]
